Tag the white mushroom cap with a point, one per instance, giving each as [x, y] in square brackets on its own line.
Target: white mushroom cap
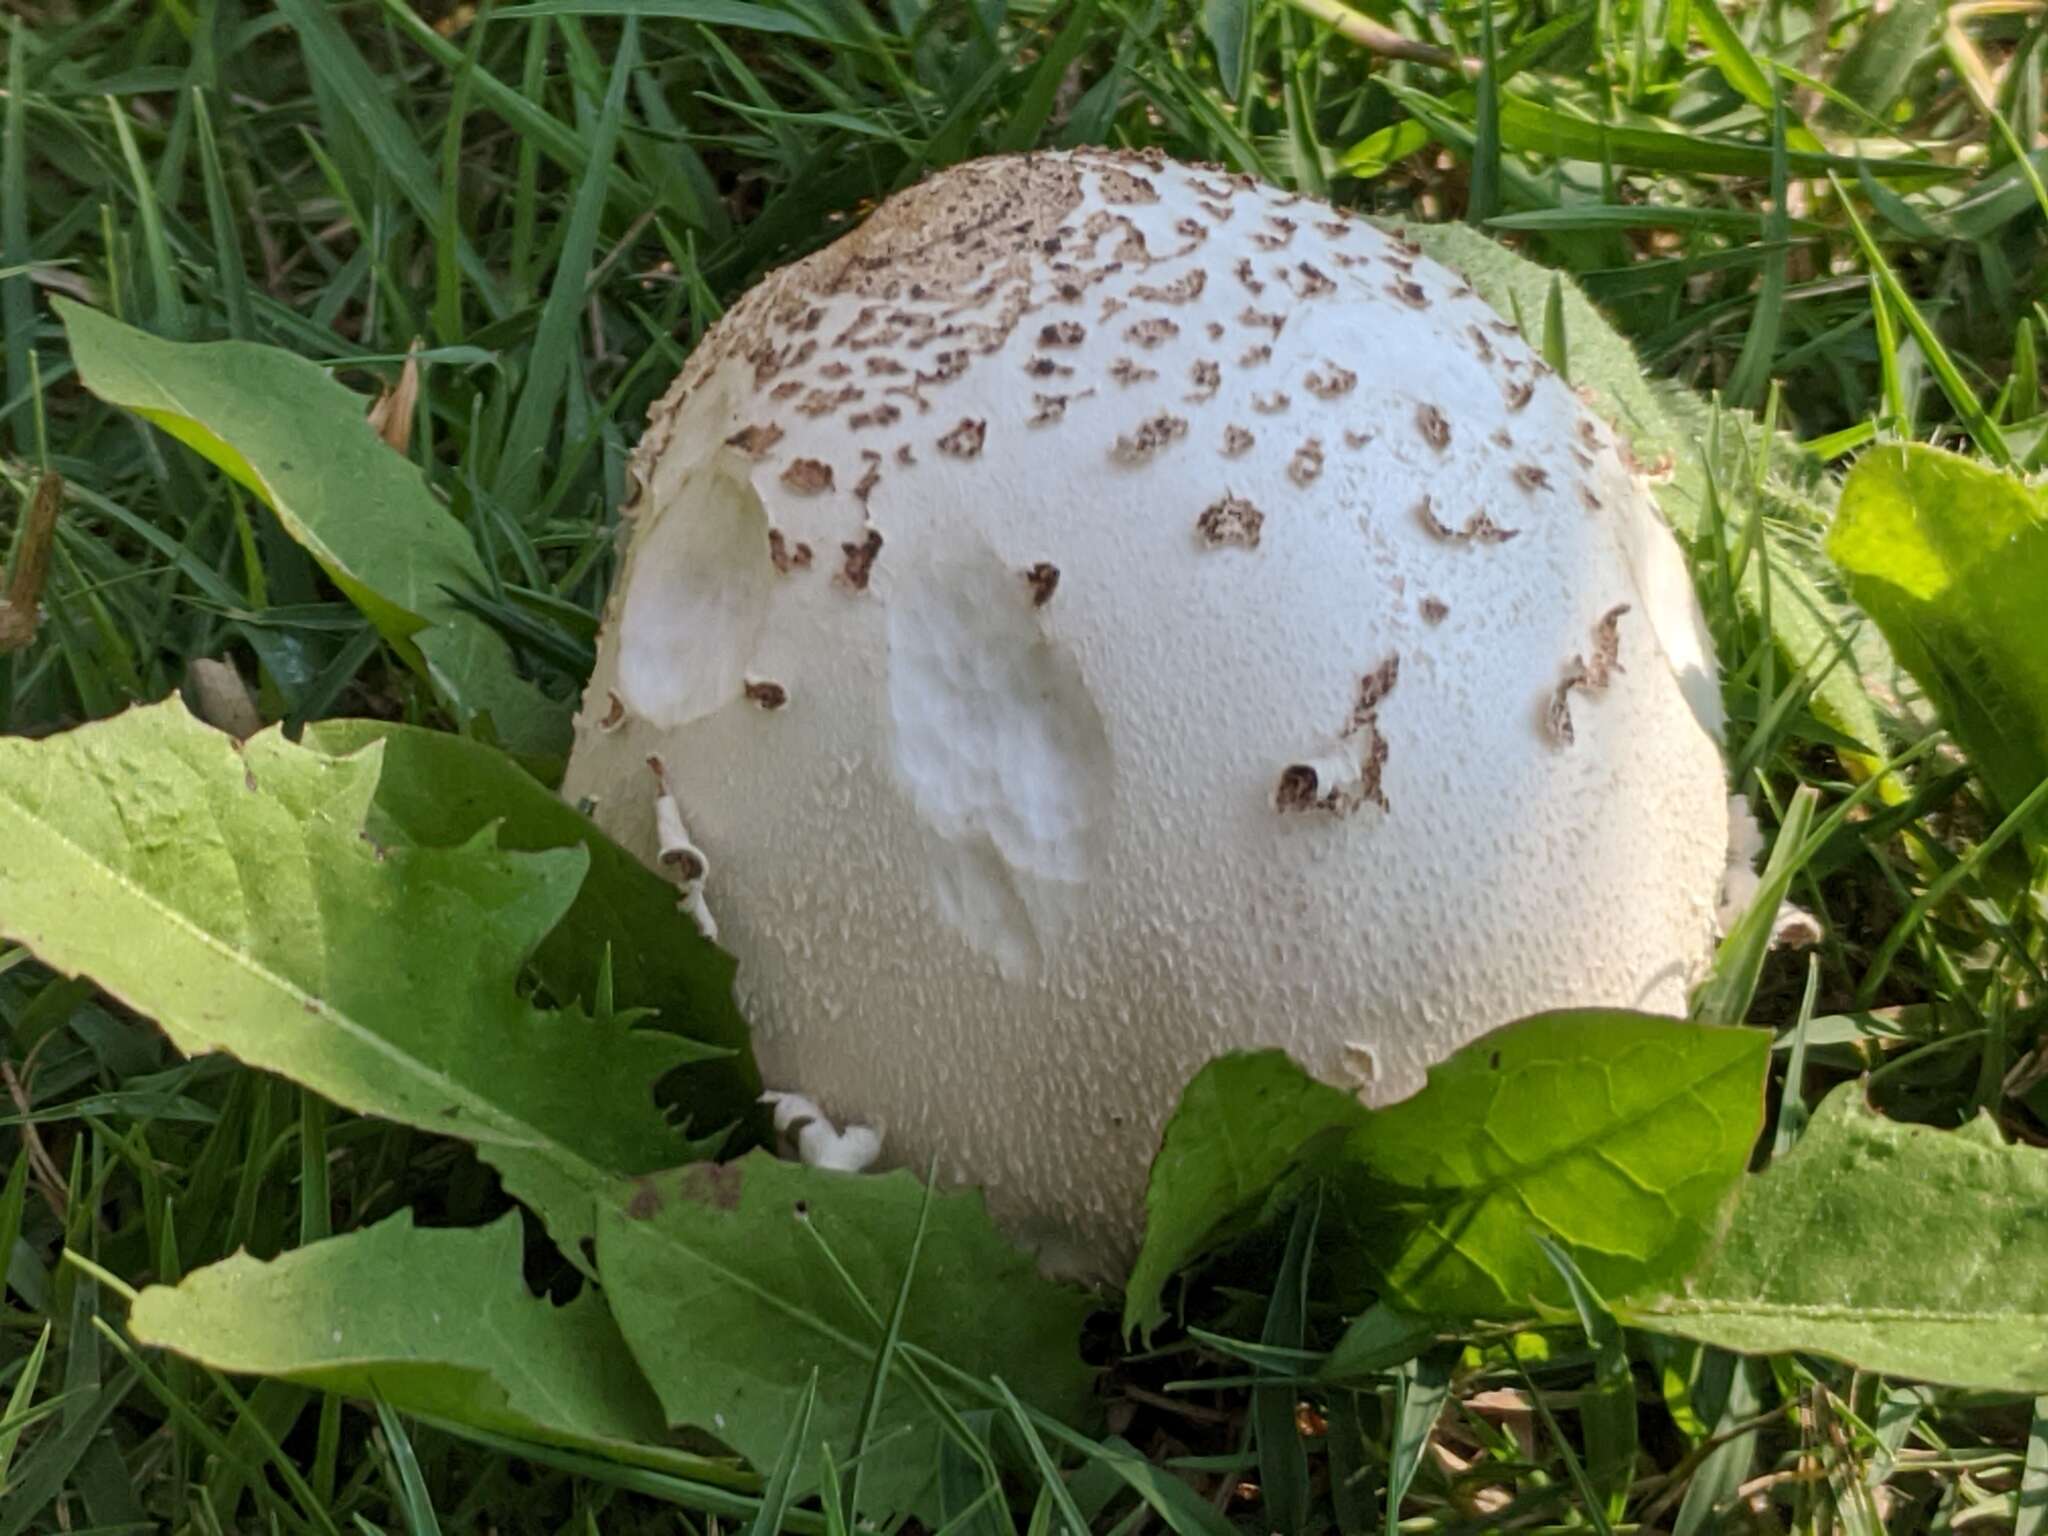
[1102, 613]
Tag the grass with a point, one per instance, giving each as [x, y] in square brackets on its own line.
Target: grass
[1833, 213]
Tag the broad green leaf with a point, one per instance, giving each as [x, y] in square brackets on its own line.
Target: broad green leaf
[1617, 1135]
[438, 1321]
[1811, 630]
[726, 1280]
[229, 891]
[1901, 1249]
[1243, 1123]
[439, 790]
[1950, 557]
[294, 437]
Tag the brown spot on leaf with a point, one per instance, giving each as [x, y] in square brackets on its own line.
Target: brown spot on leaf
[714, 1184]
[645, 1202]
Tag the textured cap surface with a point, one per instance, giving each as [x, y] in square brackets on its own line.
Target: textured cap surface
[1101, 613]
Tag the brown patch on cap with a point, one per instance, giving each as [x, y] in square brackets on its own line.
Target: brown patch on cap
[1478, 528]
[755, 440]
[786, 556]
[1182, 290]
[766, 694]
[1532, 477]
[807, 476]
[1434, 426]
[1519, 392]
[1244, 274]
[859, 564]
[1151, 332]
[1206, 374]
[1251, 357]
[1151, 436]
[1330, 384]
[1237, 442]
[1127, 372]
[1046, 368]
[1410, 292]
[1043, 579]
[1262, 319]
[966, 438]
[1315, 283]
[1230, 519]
[1306, 467]
[883, 415]
[1435, 610]
[1062, 333]
[1582, 675]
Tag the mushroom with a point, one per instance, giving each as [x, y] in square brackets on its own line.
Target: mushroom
[1263, 699]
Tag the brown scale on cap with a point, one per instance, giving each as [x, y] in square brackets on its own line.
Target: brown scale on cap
[1220, 212]
[1151, 332]
[1213, 329]
[1230, 519]
[1237, 442]
[756, 440]
[1410, 292]
[1301, 786]
[834, 371]
[1435, 610]
[1330, 384]
[883, 415]
[1532, 477]
[1043, 579]
[823, 402]
[1306, 467]
[1434, 426]
[1128, 371]
[870, 477]
[1519, 393]
[859, 563]
[1279, 237]
[787, 555]
[807, 477]
[1048, 409]
[1583, 675]
[1062, 333]
[965, 439]
[1194, 231]
[883, 367]
[1480, 344]
[904, 456]
[1272, 405]
[767, 695]
[1182, 290]
[1263, 319]
[1333, 229]
[1252, 357]
[1315, 284]
[1244, 274]
[1206, 374]
[614, 714]
[1478, 528]
[1149, 438]
[1355, 439]
[1046, 368]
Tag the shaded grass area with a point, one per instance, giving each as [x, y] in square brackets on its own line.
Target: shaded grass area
[551, 203]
